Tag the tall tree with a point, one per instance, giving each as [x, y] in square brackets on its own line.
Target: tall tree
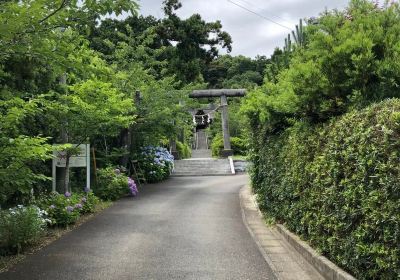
[196, 42]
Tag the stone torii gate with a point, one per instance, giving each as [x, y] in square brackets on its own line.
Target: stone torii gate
[223, 94]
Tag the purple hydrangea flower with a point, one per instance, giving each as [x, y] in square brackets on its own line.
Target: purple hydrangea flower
[132, 187]
[83, 199]
[78, 206]
[69, 209]
[67, 194]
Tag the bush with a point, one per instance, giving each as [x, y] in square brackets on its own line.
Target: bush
[157, 163]
[238, 146]
[63, 209]
[20, 227]
[89, 202]
[184, 150]
[111, 184]
[338, 186]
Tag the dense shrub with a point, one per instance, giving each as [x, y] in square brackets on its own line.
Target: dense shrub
[112, 184]
[338, 186]
[89, 202]
[184, 150]
[157, 163]
[20, 227]
[63, 209]
[349, 59]
[238, 146]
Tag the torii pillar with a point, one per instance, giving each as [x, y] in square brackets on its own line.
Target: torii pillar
[223, 94]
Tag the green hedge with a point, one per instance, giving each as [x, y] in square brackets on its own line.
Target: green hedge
[184, 150]
[338, 186]
[238, 146]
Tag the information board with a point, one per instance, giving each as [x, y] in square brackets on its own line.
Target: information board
[81, 159]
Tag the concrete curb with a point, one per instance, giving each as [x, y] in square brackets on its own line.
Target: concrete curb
[324, 266]
[284, 261]
[260, 248]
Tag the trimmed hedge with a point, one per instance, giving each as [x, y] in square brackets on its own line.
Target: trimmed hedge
[238, 146]
[338, 186]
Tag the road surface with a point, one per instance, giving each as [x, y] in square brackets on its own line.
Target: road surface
[184, 228]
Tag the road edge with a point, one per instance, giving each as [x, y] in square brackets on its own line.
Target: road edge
[253, 236]
[321, 264]
[324, 266]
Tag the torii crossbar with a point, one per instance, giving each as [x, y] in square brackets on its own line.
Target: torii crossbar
[223, 94]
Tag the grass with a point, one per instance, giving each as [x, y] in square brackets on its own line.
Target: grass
[234, 157]
[51, 235]
[238, 157]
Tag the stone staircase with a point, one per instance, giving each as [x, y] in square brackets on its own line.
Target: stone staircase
[201, 163]
[202, 167]
[201, 153]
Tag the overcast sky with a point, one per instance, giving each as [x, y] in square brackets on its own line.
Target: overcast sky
[251, 33]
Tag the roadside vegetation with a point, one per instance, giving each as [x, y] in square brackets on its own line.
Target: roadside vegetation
[71, 74]
[320, 124]
[323, 134]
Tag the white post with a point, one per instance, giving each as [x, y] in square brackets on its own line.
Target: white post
[88, 166]
[54, 174]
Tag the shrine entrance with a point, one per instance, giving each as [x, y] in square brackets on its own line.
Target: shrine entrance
[203, 119]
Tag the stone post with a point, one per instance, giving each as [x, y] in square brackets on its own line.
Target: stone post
[225, 127]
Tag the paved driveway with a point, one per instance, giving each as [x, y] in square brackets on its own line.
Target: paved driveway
[184, 228]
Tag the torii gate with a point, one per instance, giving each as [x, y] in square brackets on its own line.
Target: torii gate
[223, 93]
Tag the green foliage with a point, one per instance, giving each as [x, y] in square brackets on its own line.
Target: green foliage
[188, 59]
[235, 72]
[41, 47]
[89, 203]
[238, 146]
[349, 61]
[337, 186]
[19, 153]
[184, 150]
[331, 179]
[62, 209]
[111, 184]
[19, 228]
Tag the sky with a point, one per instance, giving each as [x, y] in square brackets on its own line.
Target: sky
[251, 34]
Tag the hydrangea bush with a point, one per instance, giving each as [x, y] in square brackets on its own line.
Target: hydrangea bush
[113, 184]
[20, 227]
[157, 163]
[64, 209]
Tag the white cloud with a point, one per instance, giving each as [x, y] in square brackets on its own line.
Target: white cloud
[251, 34]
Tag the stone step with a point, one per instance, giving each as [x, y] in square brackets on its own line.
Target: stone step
[192, 174]
[201, 153]
[202, 160]
[202, 167]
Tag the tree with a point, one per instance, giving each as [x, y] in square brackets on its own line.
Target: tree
[40, 44]
[349, 61]
[235, 72]
[196, 42]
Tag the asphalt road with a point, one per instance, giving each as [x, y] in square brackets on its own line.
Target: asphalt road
[184, 228]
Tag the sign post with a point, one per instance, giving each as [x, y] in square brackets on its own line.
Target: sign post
[81, 159]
